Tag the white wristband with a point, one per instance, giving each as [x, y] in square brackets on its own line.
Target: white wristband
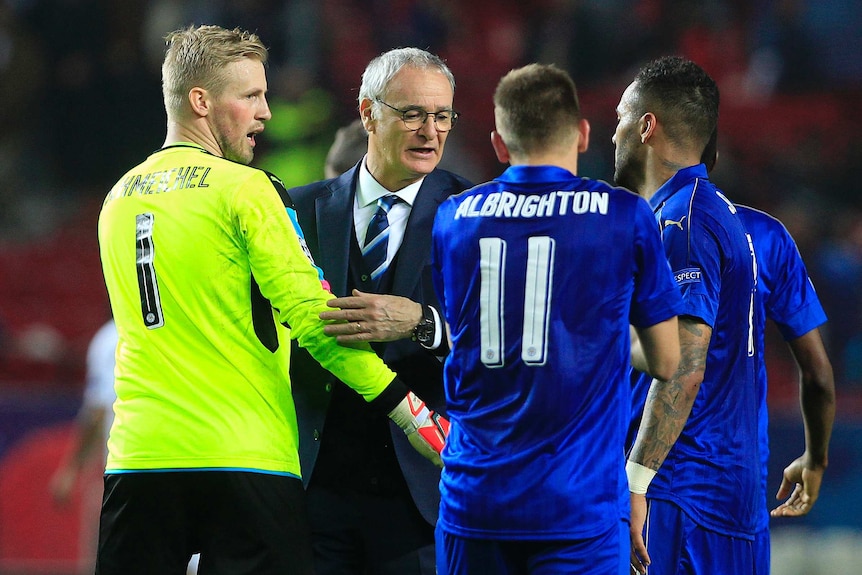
[639, 477]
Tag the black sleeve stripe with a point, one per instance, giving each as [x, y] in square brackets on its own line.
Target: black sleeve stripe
[280, 188]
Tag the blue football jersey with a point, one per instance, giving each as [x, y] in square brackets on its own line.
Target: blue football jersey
[713, 470]
[785, 295]
[539, 273]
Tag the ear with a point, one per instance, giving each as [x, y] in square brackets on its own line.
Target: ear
[648, 125]
[200, 101]
[499, 147]
[365, 114]
[584, 136]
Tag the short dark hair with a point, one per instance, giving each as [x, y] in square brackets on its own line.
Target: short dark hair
[350, 144]
[536, 107]
[682, 96]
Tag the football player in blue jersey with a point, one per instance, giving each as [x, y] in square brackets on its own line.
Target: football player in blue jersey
[696, 457]
[538, 310]
[786, 295]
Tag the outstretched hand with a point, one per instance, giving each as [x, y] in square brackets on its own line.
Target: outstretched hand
[367, 317]
[804, 479]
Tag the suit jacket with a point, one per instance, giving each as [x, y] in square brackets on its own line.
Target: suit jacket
[325, 213]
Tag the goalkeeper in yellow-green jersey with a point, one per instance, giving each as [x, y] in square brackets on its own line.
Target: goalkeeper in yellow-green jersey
[208, 280]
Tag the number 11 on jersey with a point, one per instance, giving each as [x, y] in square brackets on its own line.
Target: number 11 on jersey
[536, 300]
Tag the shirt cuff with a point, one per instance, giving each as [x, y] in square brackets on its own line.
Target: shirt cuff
[438, 330]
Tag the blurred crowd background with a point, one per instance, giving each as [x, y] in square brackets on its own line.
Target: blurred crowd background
[80, 102]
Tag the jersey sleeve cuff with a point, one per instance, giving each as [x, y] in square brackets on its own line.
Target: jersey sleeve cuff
[389, 398]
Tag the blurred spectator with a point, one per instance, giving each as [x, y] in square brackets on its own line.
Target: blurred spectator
[22, 80]
[782, 58]
[837, 273]
[835, 31]
[350, 144]
[95, 415]
[90, 436]
[21, 68]
[595, 41]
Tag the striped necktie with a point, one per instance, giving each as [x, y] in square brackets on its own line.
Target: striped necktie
[377, 238]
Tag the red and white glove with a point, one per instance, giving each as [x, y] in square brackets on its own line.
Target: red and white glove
[426, 430]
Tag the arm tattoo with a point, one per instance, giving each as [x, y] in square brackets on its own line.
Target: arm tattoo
[669, 403]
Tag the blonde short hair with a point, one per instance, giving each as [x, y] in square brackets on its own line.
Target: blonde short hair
[197, 56]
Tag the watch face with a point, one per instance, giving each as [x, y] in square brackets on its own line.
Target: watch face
[425, 329]
[425, 332]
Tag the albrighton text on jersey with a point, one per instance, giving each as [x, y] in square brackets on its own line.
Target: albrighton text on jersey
[509, 205]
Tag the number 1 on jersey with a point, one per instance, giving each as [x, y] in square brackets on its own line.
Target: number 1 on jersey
[151, 305]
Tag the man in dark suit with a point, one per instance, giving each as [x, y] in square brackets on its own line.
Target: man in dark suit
[372, 499]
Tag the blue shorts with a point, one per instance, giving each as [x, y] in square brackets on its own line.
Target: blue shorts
[762, 552]
[679, 546]
[607, 554]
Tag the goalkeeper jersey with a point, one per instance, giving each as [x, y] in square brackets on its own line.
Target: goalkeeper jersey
[204, 270]
[540, 273]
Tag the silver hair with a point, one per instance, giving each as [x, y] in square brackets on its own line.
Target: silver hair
[381, 70]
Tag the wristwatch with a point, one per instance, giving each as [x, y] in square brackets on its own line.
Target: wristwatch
[426, 329]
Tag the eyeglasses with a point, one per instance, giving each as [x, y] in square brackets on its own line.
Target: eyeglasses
[414, 118]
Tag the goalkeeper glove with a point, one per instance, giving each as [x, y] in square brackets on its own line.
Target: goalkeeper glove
[426, 430]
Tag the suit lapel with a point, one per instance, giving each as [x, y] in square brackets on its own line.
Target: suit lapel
[415, 251]
[336, 205]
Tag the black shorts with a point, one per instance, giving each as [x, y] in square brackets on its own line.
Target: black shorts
[240, 522]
